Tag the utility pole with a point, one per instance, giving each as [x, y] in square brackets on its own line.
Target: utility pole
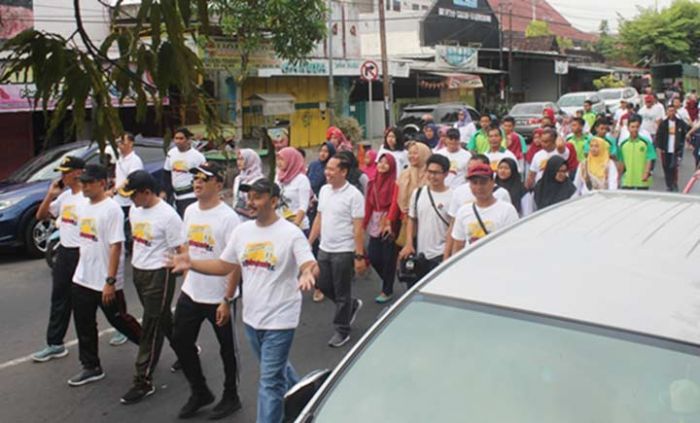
[385, 65]
[510, 53]
[331, 88]
[500, 52]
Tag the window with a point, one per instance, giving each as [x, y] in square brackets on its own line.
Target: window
[415, 6]
[397, 5]
[150, 153]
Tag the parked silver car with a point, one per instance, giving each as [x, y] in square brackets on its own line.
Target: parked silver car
[612, 96]
[572, 102]
[528, 115]
[588, 311]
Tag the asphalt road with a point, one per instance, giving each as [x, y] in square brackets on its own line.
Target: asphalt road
[31, 392]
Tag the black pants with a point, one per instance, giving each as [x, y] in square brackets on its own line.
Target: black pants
[128, 240]
[155, 289]
[85, 304]
[62, 279]
[382, 255]
[670, 163]
[181, 205]
[189, 316]
[335, 281]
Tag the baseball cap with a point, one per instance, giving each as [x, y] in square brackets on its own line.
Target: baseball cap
[70, 163]
[136, 181]
[209, 169]
[94, 172]
[480, 170]
[262, 186]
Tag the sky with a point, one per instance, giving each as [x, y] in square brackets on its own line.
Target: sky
[586, 15]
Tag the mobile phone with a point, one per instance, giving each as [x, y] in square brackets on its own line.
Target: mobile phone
[61, 184]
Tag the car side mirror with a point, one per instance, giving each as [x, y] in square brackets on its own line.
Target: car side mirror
[296, 398]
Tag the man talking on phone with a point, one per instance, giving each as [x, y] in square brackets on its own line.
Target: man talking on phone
[61, 204]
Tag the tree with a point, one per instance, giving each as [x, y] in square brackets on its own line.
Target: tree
[564, 43]
[608, 81]
[537, 29]
[607, 44]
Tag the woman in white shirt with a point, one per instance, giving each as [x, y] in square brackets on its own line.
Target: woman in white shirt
[250, 170]
[394, 145]
[295, 186]
[598, 170]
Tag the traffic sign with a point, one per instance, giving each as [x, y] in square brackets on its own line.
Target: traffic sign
[369, 71]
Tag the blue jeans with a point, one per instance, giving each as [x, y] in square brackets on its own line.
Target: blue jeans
[277, 375]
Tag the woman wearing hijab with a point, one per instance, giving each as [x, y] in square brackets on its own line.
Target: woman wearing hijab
[430, 135]
[316, 172]
[382, 251]
[465, 125]
[340, 142]
[394, 144]
[508, 178]
[295, 187]
[370, 165]
[410, 179]
[250, 170]
[598, 171]
[555, 185]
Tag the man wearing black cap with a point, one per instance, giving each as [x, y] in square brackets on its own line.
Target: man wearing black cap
[62, 205]
[99, 276]
[275, 260]
[177, 179]
[156, 229]
[209, 225]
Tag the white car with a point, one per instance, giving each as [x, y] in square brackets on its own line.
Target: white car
[572, 102]
[612, 97]
[588, 311]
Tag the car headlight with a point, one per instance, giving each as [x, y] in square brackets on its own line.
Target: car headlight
[6, 204]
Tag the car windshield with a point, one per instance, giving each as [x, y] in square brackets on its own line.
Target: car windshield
[611, 95]
[572, 101]
[41, 168]
[416, 113]
[444, 361]
[527, 109]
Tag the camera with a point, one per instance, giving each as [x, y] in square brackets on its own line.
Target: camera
[408, 269]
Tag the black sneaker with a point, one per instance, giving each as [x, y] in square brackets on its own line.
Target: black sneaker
[177, 366]
[196, 402]
[228, 405]
[138, 392]
[356, 306]
[338, 340]
[86, 376]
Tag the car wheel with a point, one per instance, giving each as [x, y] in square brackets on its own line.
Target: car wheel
[36, 236]
[51, 251]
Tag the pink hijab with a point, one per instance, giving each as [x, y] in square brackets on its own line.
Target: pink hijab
[342, 143]
[295, 164]
[371, 170]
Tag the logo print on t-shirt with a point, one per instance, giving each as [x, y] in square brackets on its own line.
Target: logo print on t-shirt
[180, 166]
[88, 229]
[142, 233]
[260, 254]
[201, 236]
[68, 215]
[476, 232]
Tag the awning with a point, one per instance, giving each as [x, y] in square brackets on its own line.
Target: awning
[455, 81]
[273, 104]
[431, 67]
[591, 68]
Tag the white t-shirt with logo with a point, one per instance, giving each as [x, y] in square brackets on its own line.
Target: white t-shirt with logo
[65, 210]
[458, 166]
[270, 258]
[125, 165]
[339, 208]
[179, 163]
[464, 195]
[432, 231]
[296, 195]
[100, 225]
[207, 233]
[539, 161]
[156, 231]
[495, 217]
[495, 158]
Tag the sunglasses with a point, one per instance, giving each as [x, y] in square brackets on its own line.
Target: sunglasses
[202, 177]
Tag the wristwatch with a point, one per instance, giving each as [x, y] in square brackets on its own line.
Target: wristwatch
[360, 256]
[229, 301]
[111, 280]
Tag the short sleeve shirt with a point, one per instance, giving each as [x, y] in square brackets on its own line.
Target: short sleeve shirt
[156, 231]
[65, 209]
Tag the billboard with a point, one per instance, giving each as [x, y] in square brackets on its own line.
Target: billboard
[16, 16]
[464, 22]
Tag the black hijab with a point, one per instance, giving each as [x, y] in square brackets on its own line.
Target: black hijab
[514, 185]
[548, 190]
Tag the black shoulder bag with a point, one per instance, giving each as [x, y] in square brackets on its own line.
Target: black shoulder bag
[478, 217]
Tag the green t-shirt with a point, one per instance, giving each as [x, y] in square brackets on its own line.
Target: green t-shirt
[589, 118]
[581, 144]
[635, 153]
[479, 142]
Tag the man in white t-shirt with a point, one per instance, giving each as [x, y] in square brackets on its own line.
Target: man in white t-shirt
[98, 280]
[464, 195]
[127, 163]
[652, 114]
[208, 228]
[551, 144]
[341, 210]
[275, 261]
[62, 205]
[157, 231]
[458, 158]
[429, 220]
[497, 151]
[177, 179]
[485, 215]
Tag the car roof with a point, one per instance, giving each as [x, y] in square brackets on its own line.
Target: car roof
[434, 106]
[578, 93]
[613, 89]
[624, 260]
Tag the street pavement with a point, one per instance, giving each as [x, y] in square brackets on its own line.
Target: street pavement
[31, 392]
